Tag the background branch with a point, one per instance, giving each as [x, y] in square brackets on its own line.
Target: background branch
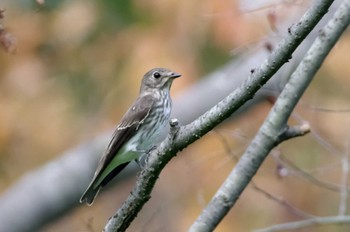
[344, 185]
[289, 207]
[302, 174]
[307, 223]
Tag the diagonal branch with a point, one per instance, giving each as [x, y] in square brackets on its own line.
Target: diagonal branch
[289, 207]
[186, 135]
[306, 176]
[270, 132]
[307, 223]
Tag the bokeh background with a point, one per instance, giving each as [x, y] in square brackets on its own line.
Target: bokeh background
[75, 66]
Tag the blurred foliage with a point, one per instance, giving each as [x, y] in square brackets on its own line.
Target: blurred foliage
[77, 67]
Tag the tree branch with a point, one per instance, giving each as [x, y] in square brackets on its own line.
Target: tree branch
[289, 207]
[193, 131]
[275, 123]
[344, 186]
[292, 132]
[304, 175]
[307, 223]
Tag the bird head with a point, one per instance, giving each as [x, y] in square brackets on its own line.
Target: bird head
[158, 79]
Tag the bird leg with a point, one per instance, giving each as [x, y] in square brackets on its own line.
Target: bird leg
[143, 158]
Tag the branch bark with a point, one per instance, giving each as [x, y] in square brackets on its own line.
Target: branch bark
[275, 124]
[186, 135]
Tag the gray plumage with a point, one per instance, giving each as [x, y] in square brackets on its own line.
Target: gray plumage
[137, 130]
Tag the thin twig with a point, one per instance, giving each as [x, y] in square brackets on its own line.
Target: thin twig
[338, 220]
[308, 177]
[344, 185]
[290, 208]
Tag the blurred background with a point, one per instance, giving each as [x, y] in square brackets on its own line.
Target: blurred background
[70, 69]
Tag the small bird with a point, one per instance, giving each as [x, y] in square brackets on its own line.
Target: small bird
[137, 131]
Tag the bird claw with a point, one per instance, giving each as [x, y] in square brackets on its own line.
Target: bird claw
[140, 163]
[142, 160]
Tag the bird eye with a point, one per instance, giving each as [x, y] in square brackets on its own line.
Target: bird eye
[156, 75]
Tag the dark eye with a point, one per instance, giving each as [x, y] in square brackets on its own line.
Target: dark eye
[156, 75]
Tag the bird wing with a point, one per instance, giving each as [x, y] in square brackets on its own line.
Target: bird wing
[110, 163]
[126, 129]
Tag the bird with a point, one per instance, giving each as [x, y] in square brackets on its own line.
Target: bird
[137, 131]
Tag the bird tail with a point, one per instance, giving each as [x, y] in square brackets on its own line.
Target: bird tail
[92, 191]
[90, 194]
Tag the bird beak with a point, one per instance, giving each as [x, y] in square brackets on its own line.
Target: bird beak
[174, 75]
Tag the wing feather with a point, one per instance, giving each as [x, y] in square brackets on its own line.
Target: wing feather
[126, 129]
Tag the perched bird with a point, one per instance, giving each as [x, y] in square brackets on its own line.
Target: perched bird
[138, 129]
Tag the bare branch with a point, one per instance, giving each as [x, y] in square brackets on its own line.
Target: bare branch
[284, 203]
[344, 186]
[307, 223]
[292, 132]
[310, 178]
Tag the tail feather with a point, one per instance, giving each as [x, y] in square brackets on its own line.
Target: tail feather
[92, 191]
[90, 194]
